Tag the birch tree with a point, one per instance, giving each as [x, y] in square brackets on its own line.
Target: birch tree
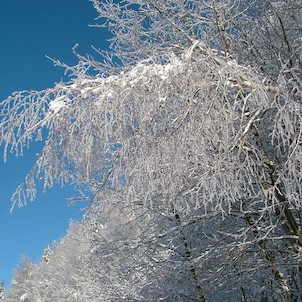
[194, 114]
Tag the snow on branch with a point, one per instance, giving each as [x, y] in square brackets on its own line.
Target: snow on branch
[161, 104]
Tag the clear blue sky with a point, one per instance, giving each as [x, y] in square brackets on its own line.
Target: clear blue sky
[30, 30]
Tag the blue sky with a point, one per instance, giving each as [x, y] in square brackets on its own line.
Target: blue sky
[30, 30]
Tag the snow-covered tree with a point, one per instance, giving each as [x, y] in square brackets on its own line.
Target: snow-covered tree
[46, 253]
[64, 277]
[193, 123]
[23, 283]
[1, 290]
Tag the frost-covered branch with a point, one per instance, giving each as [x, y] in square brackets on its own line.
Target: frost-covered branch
[171, 123]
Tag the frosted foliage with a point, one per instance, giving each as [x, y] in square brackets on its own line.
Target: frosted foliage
[65, 276]
[22, 283]
[266, 34]
[180, 117]
[270, 38]
[187, 140]
[186, 128]
[149, 27]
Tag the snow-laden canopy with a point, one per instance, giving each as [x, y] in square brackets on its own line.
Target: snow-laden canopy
[198, 110]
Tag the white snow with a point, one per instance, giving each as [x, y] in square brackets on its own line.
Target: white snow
[104, 87]
[23, 297]
[57, 104]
